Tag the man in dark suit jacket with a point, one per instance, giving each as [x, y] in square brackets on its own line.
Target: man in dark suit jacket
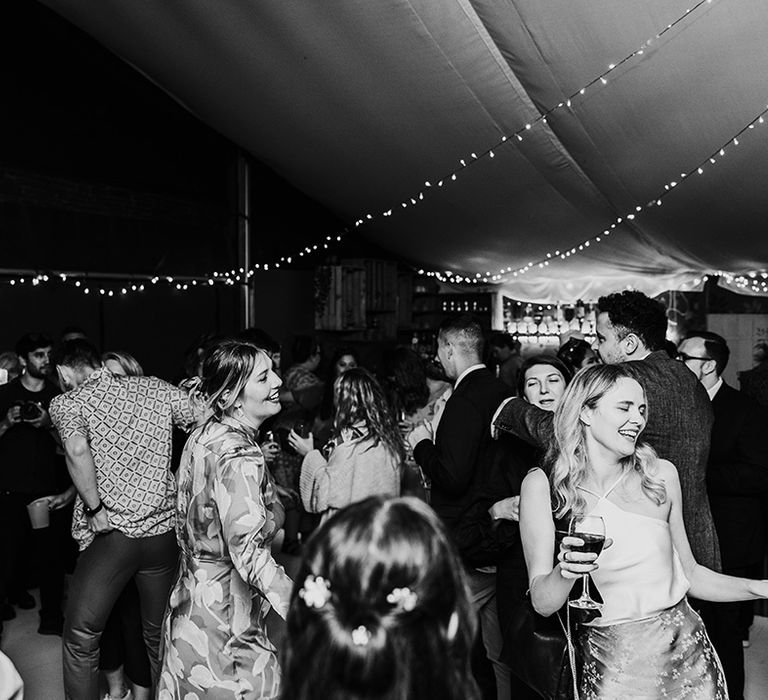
[737, 479]
[754, 382]
[461, 457]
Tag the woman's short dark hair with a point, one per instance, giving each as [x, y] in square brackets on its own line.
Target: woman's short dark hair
[364, 553]
[559, 365]
[573, 352]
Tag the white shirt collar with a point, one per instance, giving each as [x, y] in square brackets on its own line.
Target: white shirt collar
[712, 391]
[466, 372]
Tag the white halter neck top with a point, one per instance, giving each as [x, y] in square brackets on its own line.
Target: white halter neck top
[640, 574]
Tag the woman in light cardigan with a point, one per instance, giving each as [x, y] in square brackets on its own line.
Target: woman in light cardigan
[366, 454]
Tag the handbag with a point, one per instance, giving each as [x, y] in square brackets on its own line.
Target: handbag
[539, 650]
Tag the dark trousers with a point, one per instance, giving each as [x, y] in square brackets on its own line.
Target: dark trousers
[722, 623]
[101, 574]
[44, 549]
[122, 642]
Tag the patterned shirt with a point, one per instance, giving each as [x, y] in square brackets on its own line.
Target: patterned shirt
[127, 422]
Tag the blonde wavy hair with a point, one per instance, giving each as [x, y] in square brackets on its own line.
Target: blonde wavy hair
[567, 454]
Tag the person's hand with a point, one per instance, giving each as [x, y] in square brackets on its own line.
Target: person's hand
[287, 496]
[13, 416]
[42, 421]
[270, 450]
[302, 445]
[573, 562]
[506, 509]
[99, 523]
[61, 500]
[423, 431]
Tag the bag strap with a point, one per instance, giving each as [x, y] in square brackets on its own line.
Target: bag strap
[571, 651]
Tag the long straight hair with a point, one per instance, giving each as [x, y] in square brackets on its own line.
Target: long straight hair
[358, 398]
[567, 454]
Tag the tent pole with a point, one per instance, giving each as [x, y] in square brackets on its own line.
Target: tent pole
[244, 236]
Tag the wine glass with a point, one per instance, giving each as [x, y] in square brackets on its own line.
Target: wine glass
[591, 530]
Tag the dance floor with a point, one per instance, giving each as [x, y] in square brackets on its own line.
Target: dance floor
[38, 658]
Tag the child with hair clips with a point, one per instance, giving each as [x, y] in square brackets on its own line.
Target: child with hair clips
[366, 451]
[380, 609]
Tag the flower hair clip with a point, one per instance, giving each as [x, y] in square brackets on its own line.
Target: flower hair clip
[315, 592]
[404, 598]
[361, 636]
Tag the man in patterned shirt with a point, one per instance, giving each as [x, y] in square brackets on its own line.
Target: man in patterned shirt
[116, 433]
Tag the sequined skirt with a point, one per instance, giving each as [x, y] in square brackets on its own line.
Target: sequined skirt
[665, 656]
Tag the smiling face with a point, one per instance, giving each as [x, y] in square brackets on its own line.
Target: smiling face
[544, 386]
[617, 420]
[260, 397]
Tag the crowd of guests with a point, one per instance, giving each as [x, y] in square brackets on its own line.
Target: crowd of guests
[424, 499]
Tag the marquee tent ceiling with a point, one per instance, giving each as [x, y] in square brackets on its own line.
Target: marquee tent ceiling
[359, 104]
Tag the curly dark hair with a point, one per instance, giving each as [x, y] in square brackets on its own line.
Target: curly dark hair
[364, 552]
[634, 312]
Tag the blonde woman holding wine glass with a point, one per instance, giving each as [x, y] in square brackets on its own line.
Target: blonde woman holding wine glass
[647, 641]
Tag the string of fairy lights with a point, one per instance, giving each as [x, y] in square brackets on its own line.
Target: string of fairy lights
[109, 285]
[517, 136]
[755, 281]
[699, 169]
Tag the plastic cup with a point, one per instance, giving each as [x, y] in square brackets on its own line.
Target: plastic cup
[39, 513]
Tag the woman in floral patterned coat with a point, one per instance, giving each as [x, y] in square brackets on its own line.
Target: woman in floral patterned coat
[215, 638]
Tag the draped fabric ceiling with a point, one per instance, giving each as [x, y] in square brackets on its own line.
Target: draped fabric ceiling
[358, 103]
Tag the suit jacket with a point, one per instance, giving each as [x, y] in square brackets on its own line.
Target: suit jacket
[737, 476]
[462, 457]
[679, 429]
[480, 539]
[754, 383]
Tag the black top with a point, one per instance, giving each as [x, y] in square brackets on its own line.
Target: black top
[28, 461]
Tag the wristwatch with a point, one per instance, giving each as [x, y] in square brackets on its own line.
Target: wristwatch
[90, 512]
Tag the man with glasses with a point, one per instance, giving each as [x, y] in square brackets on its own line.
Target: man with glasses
[737, 480]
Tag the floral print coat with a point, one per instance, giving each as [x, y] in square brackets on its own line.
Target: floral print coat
[215, 640]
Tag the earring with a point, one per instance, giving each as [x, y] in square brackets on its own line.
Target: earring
[453, 626]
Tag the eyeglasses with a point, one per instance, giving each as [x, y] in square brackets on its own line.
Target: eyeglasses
[684, 358]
